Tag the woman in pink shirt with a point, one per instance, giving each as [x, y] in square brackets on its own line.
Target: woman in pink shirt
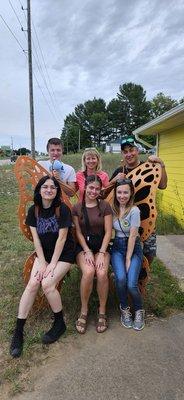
[91, 164]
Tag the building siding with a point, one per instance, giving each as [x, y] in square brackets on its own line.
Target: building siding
[171, 151]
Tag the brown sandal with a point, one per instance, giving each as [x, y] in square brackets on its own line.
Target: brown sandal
[101, 324]
[81, 324]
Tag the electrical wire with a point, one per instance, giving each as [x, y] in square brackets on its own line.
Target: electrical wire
[11, 5]
[14, 36]
[12, 33]
[41, 52]
[50, 91]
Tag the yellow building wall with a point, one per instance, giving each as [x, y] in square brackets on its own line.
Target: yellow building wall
[171, 151]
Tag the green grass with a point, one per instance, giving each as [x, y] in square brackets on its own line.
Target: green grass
[168, 224]
[163, 294]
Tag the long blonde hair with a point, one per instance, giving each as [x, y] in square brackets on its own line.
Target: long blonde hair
[129, 205]
[93, 152]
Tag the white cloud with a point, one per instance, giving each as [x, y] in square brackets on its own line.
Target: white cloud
[90, 48]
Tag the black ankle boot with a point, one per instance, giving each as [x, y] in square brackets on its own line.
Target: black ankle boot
[57, 329]
[16, 346]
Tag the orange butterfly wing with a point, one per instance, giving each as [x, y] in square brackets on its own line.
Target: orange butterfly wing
[28, 172]
[145, 178]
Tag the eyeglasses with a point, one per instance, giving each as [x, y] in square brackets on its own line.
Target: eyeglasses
[123, 181]
[48, 187]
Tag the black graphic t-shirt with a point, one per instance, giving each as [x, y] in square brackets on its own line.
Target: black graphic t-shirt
[48, 224]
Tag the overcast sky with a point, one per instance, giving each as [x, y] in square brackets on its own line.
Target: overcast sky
[90, 47]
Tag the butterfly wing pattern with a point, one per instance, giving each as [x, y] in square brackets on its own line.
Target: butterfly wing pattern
[145, 178]
[28, 172]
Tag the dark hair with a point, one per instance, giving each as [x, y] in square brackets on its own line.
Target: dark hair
[90, 179]
[128, 141]
[55, 141]
[119, 182]
[93, 178]
[37, 196]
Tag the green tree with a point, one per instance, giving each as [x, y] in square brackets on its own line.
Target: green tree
[161, 103]
[114, 119]
[22, 151]
[135, 109]
[91, 120]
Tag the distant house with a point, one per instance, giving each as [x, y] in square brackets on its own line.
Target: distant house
[169, 130]
[113, 147]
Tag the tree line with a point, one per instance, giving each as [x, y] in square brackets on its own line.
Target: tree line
[95, 123]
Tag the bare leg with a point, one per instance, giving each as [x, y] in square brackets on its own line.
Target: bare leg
[102, 290]
[49, 285]
[29, 294]
[86, 285]
[25, 306]
[103, 284]
[53, 296]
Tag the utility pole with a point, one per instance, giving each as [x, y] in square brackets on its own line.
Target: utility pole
[12, 145]
[30, 79]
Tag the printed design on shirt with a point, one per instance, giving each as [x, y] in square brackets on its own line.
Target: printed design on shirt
[125, 223]
[45, 225]
[28, 172]
[145, 178]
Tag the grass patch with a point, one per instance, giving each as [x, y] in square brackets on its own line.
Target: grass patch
[168, 224]
[163, 296]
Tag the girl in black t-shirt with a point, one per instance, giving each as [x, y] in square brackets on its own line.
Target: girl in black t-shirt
[50, 223]
[93, 222]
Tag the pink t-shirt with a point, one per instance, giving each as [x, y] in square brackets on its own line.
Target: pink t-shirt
[80, 178]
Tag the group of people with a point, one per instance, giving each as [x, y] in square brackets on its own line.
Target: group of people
[50, 222]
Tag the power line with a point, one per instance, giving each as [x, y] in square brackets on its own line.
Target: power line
[41, 52]
[23, 9]
[44, 97]
[15, 14]
[12, 33]
[45, 82]
[37, 60]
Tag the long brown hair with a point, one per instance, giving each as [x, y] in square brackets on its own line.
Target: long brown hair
[115, 205]
[90, 179]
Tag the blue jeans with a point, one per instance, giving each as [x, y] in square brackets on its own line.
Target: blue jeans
[127, 281]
